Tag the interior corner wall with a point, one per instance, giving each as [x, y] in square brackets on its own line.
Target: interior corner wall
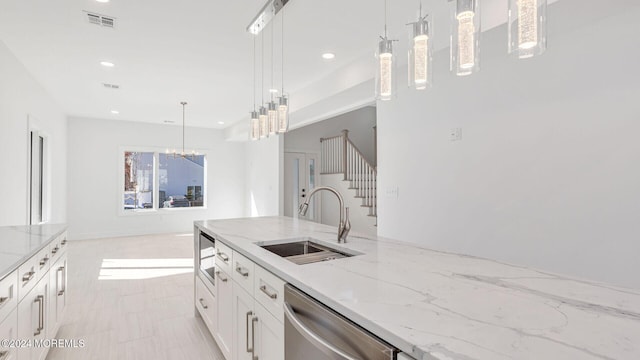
[547, 172]
[94, 177]
[22, 102]
[264, 176]
[359, 122]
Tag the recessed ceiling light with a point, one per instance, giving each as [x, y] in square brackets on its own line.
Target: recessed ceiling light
[169, 121]
[107, 64]
[115, 112]
[273, 90]
[102, 1]
[328, 56]
[221, 122]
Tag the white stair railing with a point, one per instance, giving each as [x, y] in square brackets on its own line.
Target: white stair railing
[341, 156]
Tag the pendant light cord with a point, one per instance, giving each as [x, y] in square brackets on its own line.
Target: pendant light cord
[262, 72]
[183, 104]
[254, 74]
[385, 19]
[272, 65]
[282, 55]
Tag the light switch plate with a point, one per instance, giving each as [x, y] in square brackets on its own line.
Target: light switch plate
[455, 134]
[392, 192]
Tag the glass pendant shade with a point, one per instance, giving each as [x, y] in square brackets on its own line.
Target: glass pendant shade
[264, 122]
[255, 126]
[527, 27]
[385, 71]
[272, 114]
[283, 114]
[420, 55]
[465, 37]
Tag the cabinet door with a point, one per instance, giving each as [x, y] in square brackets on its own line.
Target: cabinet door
[32, 320]
[243, 339]
[57, 294]
[269, 333]
[224, 296]
[9, 330]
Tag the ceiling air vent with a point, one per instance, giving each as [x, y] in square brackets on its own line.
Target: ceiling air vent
[111, 86]
[100, 20]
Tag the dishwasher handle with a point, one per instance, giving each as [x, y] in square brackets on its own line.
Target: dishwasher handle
[312, 337]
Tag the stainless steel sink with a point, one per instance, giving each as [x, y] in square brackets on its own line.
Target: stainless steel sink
[305, 251]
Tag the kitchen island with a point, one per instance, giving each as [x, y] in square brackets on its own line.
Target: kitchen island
[437, 305]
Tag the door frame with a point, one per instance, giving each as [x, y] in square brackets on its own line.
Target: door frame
[318, 200]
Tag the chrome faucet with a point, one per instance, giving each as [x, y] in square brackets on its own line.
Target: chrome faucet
[345, 225]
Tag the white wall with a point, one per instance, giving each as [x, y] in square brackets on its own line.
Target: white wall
[264, 176]
[547, 173]
[94, 180]
[22, 98]
[359, 122]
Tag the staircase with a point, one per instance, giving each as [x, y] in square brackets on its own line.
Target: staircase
[340, 156]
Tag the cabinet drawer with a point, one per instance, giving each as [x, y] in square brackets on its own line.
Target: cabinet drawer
[44, 262]
[58, 246]
[8, 295]
[224, 256]
[243, 272]
[28, 275]
[206, 305]
[269, 291]
[9, 330]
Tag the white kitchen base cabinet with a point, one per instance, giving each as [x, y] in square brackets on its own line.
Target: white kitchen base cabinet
[244, 327]
[32, 320]
[224, 296]
[269, 335]
[57, 294]
[9, 330]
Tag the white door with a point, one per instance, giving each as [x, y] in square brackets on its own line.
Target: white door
[300, 176]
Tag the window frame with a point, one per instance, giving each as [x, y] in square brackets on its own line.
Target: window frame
[156, 209]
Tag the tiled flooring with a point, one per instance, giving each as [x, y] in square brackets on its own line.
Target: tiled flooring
[127, 306]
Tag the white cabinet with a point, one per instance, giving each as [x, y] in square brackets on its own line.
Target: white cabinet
[9, 330]
[32, 320]
[244, 327]
[57, 293]
[224, 298]
[206, 305]
[269, 335]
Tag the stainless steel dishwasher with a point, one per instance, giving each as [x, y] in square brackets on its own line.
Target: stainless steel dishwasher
[313, 331]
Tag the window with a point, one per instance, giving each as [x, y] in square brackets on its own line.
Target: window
[38, 179]
[154, 180]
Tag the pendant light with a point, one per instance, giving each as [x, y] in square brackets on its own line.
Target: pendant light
[420, 54]
[386, 65]
[183, 154]
[465, 37]
[527, 27]
[262, 116]
[272, 108]
[283, 101]
[254, 125]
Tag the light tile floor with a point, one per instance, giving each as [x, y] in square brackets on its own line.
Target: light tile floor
[135, 308]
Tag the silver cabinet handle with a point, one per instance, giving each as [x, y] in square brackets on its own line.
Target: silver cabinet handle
[55, 249]
[263, 288]
[249, 348]
[312, 337]
[43, 261]
[253, 338]
[27, 277]
[204, 306]
[220, 276]
[40, 300]
[240, 270]
[64, 242]
[62, 270]
[224, 257]
[4, 355]
[3, 302]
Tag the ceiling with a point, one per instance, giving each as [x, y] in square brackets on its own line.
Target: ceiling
[198, 51]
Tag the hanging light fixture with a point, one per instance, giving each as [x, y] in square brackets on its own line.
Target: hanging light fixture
[420, 52]
[182, 154]
[465, 37]
[254, 124]
[527, 27]
[272, 108]
[283, 101]
[262, 116]
[385, 72]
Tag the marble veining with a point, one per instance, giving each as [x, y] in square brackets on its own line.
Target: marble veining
[437, 305]
[19, 243]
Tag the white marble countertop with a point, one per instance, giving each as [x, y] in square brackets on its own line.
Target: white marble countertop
[435, 305]
[19, 243]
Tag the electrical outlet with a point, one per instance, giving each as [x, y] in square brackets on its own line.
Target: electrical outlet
[455, 134]
[392, 192]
